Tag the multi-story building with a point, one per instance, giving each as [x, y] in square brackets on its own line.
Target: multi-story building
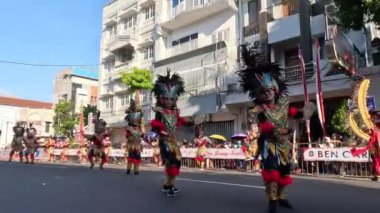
[78, 85]
[279, 28]
[127, 41]
[201, 43]
[199, 39]
[14, 110]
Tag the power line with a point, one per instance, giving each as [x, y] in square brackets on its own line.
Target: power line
[47, 65]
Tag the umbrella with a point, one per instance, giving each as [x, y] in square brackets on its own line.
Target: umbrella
[151, 135]
[239, 136]
[218, 137]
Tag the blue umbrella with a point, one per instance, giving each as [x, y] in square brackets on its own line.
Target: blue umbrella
[151, 136]
[239, 136]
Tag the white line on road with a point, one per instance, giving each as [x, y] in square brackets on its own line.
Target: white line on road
[222, 183]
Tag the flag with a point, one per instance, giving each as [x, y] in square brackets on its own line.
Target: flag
[81, 124]
[306, 94]
[319, 95]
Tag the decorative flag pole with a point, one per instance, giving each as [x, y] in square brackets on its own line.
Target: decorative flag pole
[319, 96]
[306, 94]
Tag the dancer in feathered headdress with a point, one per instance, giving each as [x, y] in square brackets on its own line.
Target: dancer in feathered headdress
[17, 141]
[97, 147]
[31, 143]
[268, 92]
[134, 132]
[167, 89]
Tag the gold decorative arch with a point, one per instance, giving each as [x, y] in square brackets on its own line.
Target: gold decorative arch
[359, 118]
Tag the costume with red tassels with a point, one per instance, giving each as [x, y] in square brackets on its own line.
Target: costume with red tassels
[167, 89]
[261, 79]
[97, 147]
[373, 146]
[134, 133]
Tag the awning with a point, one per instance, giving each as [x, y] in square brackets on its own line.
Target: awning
[198, 105]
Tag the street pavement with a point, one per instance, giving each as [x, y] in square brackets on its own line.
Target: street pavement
[41, 188]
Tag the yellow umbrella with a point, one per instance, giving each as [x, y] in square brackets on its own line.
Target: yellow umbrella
[218, 137]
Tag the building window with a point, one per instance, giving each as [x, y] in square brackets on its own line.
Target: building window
[149, 52]
[93, 100]
[109, 65]
[185, 39]
[107, 103]
[111, 104]
[113, 31]
[149, 12]
[145, 96]
[130, 21]
[221, 35]
[253, 11]
[124, 100]
[47, 127]
[125, 54]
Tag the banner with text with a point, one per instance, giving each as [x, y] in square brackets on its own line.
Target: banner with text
[334, 154]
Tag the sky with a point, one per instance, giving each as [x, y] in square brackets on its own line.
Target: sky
[64, 32]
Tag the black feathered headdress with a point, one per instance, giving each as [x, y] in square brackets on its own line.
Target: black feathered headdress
[169, 86]
[259, 75]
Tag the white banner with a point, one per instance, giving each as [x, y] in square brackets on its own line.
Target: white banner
[312, 154]
[334, 154]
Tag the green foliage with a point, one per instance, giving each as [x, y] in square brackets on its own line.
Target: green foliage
[355, 14]
[137, 79]
[86, 110]
[338, 120]
[64, 120]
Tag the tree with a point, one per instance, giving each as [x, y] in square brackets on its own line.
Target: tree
[339, 118]
[86, 110]
[137, 80]
[64, 120]
[354, 14]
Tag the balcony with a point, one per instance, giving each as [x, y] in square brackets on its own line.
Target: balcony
[145, 40]
[110, 9]
[128, 10]
[182, 48]
[294, 73]
[251, 29]
[118, 42]
[109, 22]
[122, 67]
[145, 3]
[283, 9]
[200, 81]
[120, 87]
[191, 11]
[147, 26]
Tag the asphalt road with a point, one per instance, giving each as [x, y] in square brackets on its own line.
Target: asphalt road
[62, 188]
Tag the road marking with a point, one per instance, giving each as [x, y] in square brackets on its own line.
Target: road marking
[222, 183]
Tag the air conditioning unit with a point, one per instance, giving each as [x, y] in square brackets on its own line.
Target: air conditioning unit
[220, 36]
[233, 87]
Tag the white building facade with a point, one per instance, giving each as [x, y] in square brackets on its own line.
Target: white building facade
[199, 39]
[13, 110]
[128, 37]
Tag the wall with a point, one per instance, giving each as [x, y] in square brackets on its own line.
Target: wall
[8, 118]
[283, 28]
[39, 118]
[61, 85]
[205, 29]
